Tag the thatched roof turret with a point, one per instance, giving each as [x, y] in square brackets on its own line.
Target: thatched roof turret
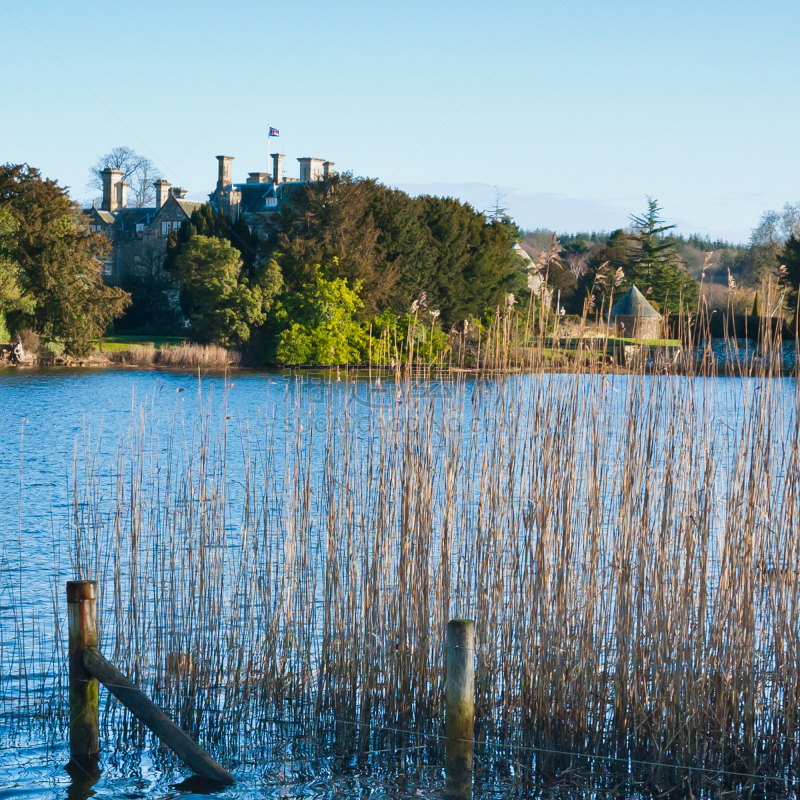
[634, 304]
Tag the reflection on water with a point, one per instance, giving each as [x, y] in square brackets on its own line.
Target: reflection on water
[35, 770]
[85, 773]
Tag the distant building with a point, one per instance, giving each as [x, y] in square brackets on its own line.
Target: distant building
[139, 235]
[634, 317]
[522, 254]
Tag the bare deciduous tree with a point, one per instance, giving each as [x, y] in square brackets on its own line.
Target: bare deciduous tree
[140, 172]
[776, 227]
[578, 263]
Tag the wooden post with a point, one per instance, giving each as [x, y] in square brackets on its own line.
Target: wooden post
[459, 707]
[83, 688]
[151, 715]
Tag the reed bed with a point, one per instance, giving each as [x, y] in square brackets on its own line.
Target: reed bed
[211, 356]
[627, 544]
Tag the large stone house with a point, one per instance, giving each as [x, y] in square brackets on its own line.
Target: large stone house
[139, 235]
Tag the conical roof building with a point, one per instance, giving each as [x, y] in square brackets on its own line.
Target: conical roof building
[634, 317]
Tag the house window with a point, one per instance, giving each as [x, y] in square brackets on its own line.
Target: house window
[139, 227]
[272, 201]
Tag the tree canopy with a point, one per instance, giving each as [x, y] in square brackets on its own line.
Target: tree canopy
[56, 262]
[12, 295]
[655, 264]
[318, 321]
[222, 302]
[205, 221]
[790, 271]
[396, 246]
[647, 256]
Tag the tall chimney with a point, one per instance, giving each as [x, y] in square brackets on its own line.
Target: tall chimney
[122, 194]
[224, 178]
[162, 192]
[111, 177]
[277, 166]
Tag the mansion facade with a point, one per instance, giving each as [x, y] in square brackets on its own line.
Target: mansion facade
[139, 235]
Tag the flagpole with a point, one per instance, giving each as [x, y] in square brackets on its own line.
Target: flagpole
[269, 168]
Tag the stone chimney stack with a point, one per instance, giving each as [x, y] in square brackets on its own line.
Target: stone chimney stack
[111, 193]
[162, 192]
[277, 166]
[311, 168]
[327, 169]
[122, 194]
[224, 178]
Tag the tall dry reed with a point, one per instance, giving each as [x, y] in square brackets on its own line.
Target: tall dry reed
[627, 544]
[211, 356]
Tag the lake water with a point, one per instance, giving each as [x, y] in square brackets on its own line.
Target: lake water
[49, 417]
[61, 423]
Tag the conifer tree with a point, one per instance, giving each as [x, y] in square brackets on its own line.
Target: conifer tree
[59, 262]
[12, 297]
[655, 263]
[790, 272]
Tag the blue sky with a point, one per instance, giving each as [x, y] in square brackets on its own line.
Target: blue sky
[574, 110]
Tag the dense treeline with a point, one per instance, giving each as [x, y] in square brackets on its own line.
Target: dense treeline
[592, 270]
[397, 246]
[350, 267]
[342, 257]
[729, 275]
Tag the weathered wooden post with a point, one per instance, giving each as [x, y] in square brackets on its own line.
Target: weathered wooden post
[151, 715]
[83, 688]
[87, 667]
[459, 707]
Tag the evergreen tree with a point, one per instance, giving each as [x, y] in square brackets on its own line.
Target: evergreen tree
[396, 245]
[790, 272]
[59, 262]
[205, 221]
[222, 302]
[12, 296]
[608, 275]
[655, 263]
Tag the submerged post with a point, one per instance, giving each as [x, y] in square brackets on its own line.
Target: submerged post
[151, 715]
[87, 667]
[83, 687]
[459, 707]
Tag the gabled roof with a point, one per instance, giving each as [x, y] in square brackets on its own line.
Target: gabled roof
[521, 252]
[103, 216]
[128, 217]
[186, 206]
[189, 206]
[255, 195]
[634, 304]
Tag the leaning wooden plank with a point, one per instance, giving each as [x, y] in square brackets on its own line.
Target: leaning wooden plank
[151, 715]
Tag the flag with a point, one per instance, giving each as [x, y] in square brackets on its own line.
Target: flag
[273, 132]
